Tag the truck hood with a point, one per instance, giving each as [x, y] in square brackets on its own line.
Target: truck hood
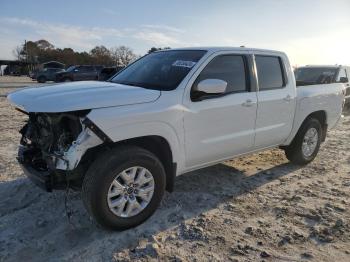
[79, 96]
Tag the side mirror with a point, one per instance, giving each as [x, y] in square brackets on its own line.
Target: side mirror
[343, 80]
[211, 86]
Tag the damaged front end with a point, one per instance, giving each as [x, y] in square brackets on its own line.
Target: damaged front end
[52, 147]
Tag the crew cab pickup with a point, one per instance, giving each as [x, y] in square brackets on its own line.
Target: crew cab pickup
[79, 73]
[123, 142]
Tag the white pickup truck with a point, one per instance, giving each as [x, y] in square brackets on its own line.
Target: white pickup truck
[123, 142]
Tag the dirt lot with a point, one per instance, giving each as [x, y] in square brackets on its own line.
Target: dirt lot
[15, 81]
[12, 83]
[256, 208]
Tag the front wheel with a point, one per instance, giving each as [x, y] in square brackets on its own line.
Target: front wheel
[306, 143]
[124, 187]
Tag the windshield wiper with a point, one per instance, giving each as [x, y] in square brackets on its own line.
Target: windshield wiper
[141, 85]
[127, 83]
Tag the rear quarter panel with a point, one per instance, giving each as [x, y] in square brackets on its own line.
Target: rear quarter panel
[327, 97]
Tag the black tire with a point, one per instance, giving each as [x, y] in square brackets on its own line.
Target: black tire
[294, 151]
[41, 79]
[100, 175]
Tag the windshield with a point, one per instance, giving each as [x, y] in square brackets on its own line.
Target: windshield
[160, 70]
[315, 75]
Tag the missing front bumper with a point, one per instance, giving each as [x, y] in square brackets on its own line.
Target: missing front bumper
[45, 179]
[42, 179]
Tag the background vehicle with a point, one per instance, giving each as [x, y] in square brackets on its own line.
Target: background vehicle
[108, 72]
[312, 75]
[123, 142]
[47, 74]
[79, 73]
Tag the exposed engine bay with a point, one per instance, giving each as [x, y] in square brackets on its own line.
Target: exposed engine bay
[54, 143]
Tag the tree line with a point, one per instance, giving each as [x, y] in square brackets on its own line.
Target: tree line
[37, 52]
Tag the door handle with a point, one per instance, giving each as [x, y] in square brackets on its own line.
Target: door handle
[287, 98]
[248, 103]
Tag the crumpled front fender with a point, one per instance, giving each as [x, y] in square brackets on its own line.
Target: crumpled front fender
[71, 158]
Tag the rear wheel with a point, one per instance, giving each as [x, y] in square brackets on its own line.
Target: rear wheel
[124, 187]
[306, 143]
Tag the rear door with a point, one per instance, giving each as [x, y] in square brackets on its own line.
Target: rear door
[220, 127]
[276, 100]
[91, 73]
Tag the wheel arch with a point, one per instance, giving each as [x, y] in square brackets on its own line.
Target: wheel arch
[157, 145]
[160, 147]
[320, 115]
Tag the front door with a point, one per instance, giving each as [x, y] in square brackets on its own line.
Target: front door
[217, 128]
[79, 73]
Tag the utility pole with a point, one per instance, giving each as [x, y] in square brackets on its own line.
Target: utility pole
[26, 53]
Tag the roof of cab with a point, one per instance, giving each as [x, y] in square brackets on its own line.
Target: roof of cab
[320, 66]
[224, 48]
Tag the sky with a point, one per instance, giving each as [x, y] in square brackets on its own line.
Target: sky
[310, 32]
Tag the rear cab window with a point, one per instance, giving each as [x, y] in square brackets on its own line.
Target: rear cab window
[270, 72]
[315, 75]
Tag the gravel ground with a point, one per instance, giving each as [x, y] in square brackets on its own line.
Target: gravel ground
[12, 83]
[254, 208]
[15, 79]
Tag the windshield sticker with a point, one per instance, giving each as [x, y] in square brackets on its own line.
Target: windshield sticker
[182, 63]
[327, 73]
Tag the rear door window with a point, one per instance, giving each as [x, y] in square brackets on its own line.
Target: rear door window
[270, 72]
